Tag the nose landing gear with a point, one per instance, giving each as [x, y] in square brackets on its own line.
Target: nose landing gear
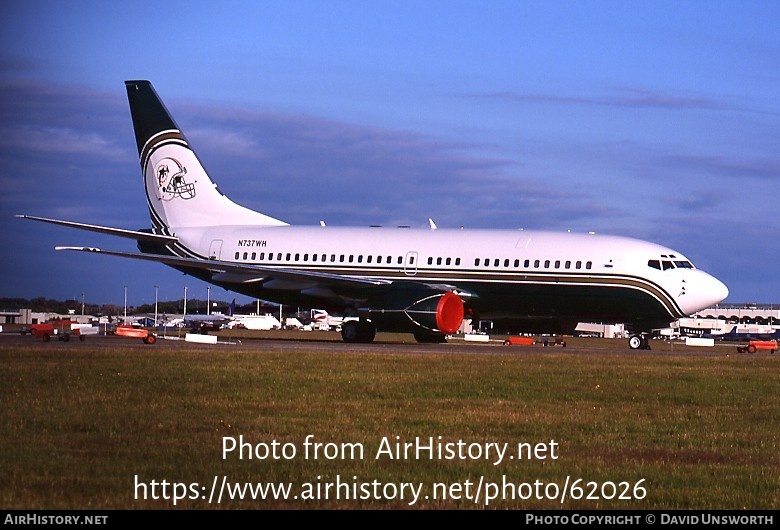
[639, 342]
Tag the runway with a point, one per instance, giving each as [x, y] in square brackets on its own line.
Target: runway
[329, 342]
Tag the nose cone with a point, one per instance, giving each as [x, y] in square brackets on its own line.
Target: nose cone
[702, 291]
[719, 291]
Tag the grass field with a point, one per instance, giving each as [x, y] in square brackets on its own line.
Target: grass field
[98, 425]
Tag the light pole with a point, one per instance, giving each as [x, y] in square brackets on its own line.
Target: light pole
[156, 287]
[125, 322]
[208, 299]
[82, 303]
[185, 302]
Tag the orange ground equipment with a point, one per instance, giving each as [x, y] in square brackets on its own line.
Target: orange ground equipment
[139, 333]
[755, 345]
[62, 330]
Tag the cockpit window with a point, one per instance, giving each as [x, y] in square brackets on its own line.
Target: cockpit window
[668, 264]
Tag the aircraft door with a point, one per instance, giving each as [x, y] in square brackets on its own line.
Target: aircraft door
[410, 263]
[215, 249]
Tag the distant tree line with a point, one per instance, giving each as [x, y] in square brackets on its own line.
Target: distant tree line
[194, 306]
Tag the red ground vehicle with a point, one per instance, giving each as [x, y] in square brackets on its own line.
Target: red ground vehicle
[754, 345]
[143, 334]
[61, 329]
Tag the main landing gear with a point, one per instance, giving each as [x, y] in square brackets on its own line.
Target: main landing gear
[358, 331]
[364, 332]
[639, 342]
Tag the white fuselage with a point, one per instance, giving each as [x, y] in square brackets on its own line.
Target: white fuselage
[467, 258]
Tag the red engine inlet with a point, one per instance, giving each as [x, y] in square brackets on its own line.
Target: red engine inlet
[449, 313]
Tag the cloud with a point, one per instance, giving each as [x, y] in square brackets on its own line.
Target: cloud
[629, 97]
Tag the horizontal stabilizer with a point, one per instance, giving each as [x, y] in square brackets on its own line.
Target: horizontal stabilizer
[120, 232]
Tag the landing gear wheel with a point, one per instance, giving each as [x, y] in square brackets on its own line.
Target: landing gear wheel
[355, 331]
[638, 342]
[350, 331]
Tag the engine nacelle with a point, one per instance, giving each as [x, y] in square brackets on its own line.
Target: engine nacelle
[434, 311]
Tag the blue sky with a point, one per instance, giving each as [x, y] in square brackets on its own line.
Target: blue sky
[651, 119]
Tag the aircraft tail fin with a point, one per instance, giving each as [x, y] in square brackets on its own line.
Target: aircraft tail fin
[179, 191]
[232, 308]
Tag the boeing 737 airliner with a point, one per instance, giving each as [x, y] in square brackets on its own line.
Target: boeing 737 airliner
[421, 281]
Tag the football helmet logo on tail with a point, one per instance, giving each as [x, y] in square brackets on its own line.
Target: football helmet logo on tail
[170, 177]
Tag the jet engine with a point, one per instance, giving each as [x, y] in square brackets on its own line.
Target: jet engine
[423, 311]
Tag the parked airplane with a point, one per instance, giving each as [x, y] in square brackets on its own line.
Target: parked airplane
[735, 334]
[423, 281]
[206, 322]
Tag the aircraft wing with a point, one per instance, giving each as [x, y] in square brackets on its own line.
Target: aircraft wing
[246, 273]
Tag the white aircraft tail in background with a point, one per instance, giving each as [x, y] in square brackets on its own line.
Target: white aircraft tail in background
[421, 281]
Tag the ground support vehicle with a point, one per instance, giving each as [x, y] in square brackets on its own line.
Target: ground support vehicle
[144, 334]
[62, 330]
[518, 340]
[545, 341]
[755, 345]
